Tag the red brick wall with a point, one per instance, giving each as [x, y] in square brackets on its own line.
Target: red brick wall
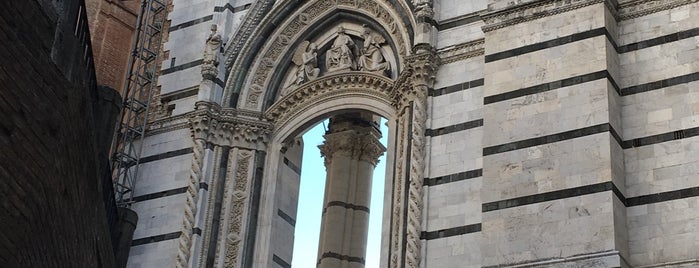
[52, 210]
[112, 24]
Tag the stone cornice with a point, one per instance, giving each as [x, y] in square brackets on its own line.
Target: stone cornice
[638, 8]
[304, 96]
[461, 51]
[530, 11]
[516, 14]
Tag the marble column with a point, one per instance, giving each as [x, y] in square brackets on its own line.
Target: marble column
[351, 150]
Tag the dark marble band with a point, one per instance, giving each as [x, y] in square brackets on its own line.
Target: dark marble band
[461, 230]
[155, 239]
[165, 155]
[333, 255]
[455, 88]
[276, 259]
[345, 205]
[454, 128]
[286, 217]
[453, 177]
[190, 23]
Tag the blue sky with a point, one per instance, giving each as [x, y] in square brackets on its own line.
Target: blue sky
[310, 203]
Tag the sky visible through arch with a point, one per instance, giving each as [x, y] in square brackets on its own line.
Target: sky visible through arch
[311, 193]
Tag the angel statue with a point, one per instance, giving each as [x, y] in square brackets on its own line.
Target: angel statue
[340, 56]
[372, 59]
[306, 60]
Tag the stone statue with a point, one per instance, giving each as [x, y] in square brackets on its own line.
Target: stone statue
[340, 56]
[372, 60]
[306, 58]
[213, 44]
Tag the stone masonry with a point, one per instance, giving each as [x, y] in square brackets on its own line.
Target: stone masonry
[533, 133]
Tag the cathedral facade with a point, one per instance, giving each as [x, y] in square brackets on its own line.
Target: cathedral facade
[528, 133]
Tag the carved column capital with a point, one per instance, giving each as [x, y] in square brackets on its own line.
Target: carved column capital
[225, 128]
[360, 143]
[418, 78]
[423, 63]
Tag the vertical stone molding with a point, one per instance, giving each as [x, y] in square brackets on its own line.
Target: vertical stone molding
[351, 150]
[412, 103]
[199, 127]
[236, 197]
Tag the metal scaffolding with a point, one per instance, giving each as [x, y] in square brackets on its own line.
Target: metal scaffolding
[140, 80]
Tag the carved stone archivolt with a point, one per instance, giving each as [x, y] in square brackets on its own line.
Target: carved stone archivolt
[295, 26]
[305, 96]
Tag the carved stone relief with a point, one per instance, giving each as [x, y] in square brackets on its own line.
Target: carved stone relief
[372, 59]
[297, 24]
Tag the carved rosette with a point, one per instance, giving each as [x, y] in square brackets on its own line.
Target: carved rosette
[361, 144]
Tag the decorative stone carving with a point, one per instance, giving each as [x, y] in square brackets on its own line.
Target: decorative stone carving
[368, 84]
[385, 14]
[461, 51]
[209, 67]
[423, 10]
[237, 209]
[253, 96]
[361, 144]
[306, 59]
[199, 127]
[372, 59]
[418, 77]
[340, 56]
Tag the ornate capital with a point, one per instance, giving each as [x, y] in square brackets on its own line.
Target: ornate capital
[419, 76]
[225, 128]
[359, 143]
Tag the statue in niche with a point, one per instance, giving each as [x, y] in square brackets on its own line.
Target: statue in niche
[372, 59]
[340, 56]
[306, 58]
[213, 44]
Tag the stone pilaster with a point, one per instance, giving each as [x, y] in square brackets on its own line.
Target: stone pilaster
[351, 150]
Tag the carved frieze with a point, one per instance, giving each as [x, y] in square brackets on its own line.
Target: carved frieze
[461, 51]
[539, 9]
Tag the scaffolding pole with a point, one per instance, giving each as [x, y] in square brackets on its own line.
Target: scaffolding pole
[140, 80]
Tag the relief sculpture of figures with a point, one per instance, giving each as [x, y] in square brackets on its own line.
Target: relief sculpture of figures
[372, 60]
[340, 56]
[213, 44]
[307, 62]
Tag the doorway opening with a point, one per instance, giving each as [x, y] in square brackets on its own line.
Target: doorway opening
[311, 200]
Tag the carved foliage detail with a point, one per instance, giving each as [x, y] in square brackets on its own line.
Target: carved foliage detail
[237, 204]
